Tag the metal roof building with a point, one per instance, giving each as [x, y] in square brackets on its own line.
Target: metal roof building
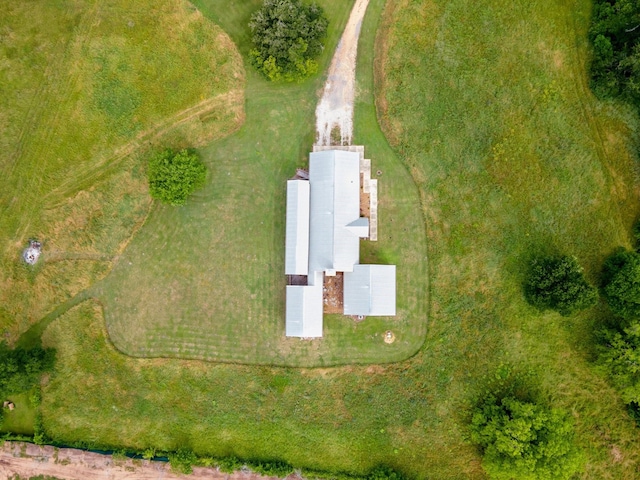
[334, 176]
[304, 309]
[370, 290]
[323, 233]
[297, 235]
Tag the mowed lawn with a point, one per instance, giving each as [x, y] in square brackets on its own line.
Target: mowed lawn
[206, 281]
[85, 88]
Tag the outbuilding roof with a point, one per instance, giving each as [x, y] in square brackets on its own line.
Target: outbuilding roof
[323, 233]
[304, 310]
[370, 290]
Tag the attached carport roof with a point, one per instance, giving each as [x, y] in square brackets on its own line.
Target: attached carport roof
[304, 309]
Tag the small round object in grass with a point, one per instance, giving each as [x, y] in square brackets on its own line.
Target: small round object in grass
[389, 337]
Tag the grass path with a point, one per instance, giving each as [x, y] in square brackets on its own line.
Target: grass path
[102, 167]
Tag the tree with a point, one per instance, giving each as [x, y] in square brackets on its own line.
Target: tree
[20, 369]
[621, 283]
[287, 36]
[524, 440]
[173, 176]
[620, 356]
[558, 283]
[615, 34]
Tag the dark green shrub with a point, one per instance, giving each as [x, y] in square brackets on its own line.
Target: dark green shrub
[273, 468]
[621, 284]
[39, 435]
[173, 176]
[229, 464]
[634, 412]
[287, 37]
[182, 460]
[558, 283]
[524, 440]
[384, 473]
[20, 369]
[620, 356]
[636, 234]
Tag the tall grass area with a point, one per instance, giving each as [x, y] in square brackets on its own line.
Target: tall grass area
[85, 87]
[206, 281]
[490, 110]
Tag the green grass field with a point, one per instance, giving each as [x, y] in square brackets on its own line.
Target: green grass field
[488, 109]
[85, 88]
[21, 419]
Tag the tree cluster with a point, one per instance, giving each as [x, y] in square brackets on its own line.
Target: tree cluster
[615, 37]
[620, 348]
[20, 369]
[621, 284]
[524, 440]
[558, 283]
[620, 356]
[287, 37]
[173, 176]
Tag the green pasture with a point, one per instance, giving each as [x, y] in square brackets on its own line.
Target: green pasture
[206, 281]
[487, 107]
[85, 88]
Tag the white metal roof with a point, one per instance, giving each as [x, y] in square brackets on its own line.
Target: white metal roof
[297, 234]
[370, 290]
[304, 309]
[359, 227]
[334, 176]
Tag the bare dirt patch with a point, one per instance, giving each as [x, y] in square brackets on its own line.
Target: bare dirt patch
[333, 293]
[28, 460]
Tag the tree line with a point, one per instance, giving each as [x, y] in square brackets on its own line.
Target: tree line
[615, 37]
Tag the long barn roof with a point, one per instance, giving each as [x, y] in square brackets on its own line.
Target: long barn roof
[297, 233]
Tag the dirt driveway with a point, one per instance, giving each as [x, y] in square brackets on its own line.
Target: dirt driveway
[29, 460]
[335, 110]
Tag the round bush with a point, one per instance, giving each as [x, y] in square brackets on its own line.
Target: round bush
[558, 283]
[287, 37]
[524, 440]
[173, 176]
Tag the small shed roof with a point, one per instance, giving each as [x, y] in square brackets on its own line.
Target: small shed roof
[370, 290]
[297, 233]
[304, 309]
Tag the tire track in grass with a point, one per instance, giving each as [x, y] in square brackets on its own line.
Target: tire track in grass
[61, 83]
[583, 91]
[57, 196]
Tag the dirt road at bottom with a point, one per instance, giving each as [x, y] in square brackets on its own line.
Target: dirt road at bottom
[29, 460]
